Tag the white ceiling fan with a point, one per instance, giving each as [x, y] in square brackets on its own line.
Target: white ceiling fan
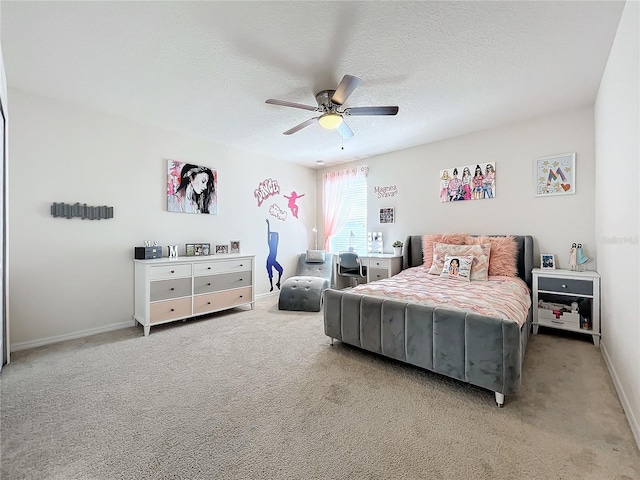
[329, 105]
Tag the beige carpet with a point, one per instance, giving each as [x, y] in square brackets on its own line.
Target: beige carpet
[261, 395]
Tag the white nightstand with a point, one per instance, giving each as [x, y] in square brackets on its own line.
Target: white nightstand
[555, 286]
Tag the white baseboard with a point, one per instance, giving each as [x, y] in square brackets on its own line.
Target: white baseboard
[268, 294]
[633, 423]
[92, 331]
[60, 338]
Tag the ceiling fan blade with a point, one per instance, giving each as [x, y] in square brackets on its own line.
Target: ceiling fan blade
[355, 111]
[301, 126]
[344, 130]
[347, 85]
[284, 103]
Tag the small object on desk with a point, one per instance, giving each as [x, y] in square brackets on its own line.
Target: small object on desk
[375, 244]
[397, 247]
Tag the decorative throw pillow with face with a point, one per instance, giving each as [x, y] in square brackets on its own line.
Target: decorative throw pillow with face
[480, 253]
[458, 268]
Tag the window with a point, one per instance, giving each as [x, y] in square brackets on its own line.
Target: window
[345, 210]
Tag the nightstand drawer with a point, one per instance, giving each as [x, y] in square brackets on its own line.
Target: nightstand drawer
[559, 323]
[565, 285]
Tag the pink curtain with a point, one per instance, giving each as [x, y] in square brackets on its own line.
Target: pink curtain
[335, 186]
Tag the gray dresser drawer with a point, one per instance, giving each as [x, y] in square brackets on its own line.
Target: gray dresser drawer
[166, 289]
[223, 281]
[565, 285]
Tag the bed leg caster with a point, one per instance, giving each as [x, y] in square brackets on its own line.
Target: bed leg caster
[331, 341]
[500, 399]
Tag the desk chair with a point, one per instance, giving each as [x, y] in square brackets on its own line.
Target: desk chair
[349, 265]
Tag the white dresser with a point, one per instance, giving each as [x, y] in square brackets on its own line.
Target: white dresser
[169, 289]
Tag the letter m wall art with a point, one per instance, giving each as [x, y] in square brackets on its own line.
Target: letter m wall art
[191, 188]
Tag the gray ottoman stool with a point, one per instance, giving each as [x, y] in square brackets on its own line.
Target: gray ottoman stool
[303, 292]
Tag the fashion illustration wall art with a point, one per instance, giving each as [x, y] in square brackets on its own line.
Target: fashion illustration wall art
[469, 182]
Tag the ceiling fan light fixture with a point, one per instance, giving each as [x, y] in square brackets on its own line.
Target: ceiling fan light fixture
[330, 121]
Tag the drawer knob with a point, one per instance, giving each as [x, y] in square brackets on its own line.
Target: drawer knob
[172, 289]
[241, 265]
[208, 268]
[208, 303]
[173, 271]
[240, 296]
[208, 284]
[173, 310]
[240, 279]
[564, 286]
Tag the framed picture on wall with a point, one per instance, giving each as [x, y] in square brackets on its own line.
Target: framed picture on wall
[555, 175]
[387, 215]
[475, 181]
[191, 188]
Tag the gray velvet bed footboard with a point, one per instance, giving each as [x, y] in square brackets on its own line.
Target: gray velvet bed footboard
[484, 351]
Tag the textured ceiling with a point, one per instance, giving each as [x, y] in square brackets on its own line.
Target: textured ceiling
[206, 68]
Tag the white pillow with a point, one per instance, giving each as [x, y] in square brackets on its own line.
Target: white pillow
[457, 267]
[315, 256]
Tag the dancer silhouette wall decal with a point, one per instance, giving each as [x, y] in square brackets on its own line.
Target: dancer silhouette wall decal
[272, 263]
[292, 202]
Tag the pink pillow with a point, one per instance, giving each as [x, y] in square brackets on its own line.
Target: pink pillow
[429, 240]
[504, 254]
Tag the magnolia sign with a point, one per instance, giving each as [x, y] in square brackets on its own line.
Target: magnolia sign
[384, 192]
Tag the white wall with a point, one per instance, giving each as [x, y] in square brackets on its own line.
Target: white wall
[73, 277]
[617, 212]
[4, 351]
[555, 222]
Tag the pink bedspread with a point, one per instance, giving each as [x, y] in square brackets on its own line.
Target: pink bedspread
[500, 297]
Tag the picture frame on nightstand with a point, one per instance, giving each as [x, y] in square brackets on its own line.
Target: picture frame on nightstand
[547, 261]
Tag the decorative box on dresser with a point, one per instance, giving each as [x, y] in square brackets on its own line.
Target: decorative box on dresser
[169, 289]
[557, 286]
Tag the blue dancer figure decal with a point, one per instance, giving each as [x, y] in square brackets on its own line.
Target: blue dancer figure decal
[272, 240]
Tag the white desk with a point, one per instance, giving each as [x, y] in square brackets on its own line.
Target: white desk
[379, 266]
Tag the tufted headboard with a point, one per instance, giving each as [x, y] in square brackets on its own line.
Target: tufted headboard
[412, 254]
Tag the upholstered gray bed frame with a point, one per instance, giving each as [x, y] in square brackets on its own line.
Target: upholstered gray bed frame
[483, 351]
